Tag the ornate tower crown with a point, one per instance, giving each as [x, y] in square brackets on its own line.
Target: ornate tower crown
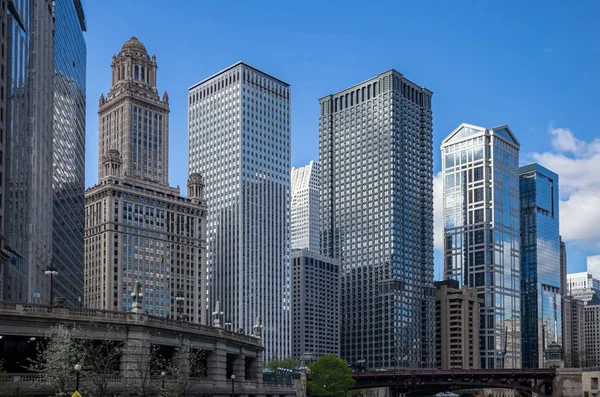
[133, 65]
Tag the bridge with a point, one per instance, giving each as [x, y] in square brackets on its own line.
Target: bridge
[232, 361]
[426, 382]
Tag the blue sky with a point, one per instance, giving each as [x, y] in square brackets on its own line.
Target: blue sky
[531, 65]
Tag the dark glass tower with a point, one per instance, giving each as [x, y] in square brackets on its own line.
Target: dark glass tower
[68, 128]
[541, 305]
[377, 218]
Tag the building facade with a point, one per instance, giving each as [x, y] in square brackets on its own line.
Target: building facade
[306, 194]
[457, 323]
[315, 305]
[590, 357]
[481, 233]
[377, 218]
[239, 139]
[573, 332]
[28, 170]
[68, 128]
[138, 230]
[593, 266]
[584, 286]
[541, 303]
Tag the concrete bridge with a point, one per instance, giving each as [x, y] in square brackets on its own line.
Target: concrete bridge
[226, 354]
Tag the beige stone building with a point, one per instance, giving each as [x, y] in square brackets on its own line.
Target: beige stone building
[138, 229]
[457, 323]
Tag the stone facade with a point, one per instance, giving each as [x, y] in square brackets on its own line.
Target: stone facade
[138, 230]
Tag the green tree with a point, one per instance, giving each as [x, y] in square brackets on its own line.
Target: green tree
[287, 363]
[329, 376]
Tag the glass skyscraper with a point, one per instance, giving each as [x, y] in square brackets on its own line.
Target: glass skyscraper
[306, 194]
[239, 139]
[541, 303]
[481, 233]
[377, 218]
[68, 181]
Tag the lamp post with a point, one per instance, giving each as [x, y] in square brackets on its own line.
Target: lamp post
[162, 375]
[232, 384]
[179, 301]
[52, 272]
[77, 372]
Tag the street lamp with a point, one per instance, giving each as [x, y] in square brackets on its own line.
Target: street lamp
[179, 301]
[52, 272]
[77, 372]
[162, 375]
[232, 384]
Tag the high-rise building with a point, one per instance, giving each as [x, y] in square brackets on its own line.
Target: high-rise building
[585, 287]
[306, 193]
[541, 303]
[239, 139]
[593, 266]
[563, 268]
[4, 42]
[137, 228]
[28, 153]
[481, 233]
[573, 332]
[457, 323]
[68, 174]
[377, 218]
[315, 304]
[590, 357]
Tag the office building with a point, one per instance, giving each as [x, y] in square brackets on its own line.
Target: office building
[137, 228]
[68, 174]
[573, 332]
[239, 140]
[457, 324]
[28, 137]
[377, 218]
[306, 193]
[481, 233]
[593, 266]
[315, 305]
[3, 101]
[541, 303]
[563, 268]
[590, 357]
[585, 287]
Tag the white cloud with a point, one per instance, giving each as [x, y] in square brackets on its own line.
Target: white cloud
[438, 207]
[577, 164]
[563, 140]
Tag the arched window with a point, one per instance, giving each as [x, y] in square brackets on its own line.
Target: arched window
[143, 73]
[137, 72]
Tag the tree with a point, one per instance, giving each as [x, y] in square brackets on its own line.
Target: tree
[142, 373]
[186, 365]
[101, 360]
[329, 376]
[286, 363]
[56, 358]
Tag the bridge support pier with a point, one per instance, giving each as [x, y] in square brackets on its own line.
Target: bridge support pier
[216, 367]
[239, 367]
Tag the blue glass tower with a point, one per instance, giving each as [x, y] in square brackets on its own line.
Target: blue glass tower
[68, 126]
[541, 306]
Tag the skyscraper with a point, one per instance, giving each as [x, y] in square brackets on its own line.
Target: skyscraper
[306, 191]
[593, 266]
[457, 323]
[137, 228]
[315, 305]
[28, 151]
[481, 233]
[68, 129]
[239, 139]
[377, 218]
[541, 303]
